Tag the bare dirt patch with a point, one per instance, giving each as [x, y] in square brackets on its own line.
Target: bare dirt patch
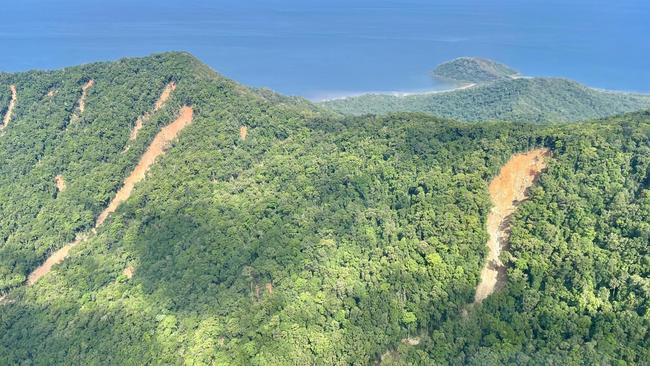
[164, 96]
[160, 103]
[55, 258]
[128, 272]
[12, 105]
[507, 189]
[81, 103]
[411, 341]
[155, 149]
[84, 95]
[466, 86]
[243, 133]
[60, 183]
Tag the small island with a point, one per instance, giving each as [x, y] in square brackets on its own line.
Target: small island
[473, 70]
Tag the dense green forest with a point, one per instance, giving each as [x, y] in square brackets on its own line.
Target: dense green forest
[44, 140]
[318, 239]
[532, 100]
[473, 70]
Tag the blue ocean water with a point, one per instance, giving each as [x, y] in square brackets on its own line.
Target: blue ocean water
[321, 49]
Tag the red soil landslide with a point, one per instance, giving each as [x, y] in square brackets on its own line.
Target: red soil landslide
[506, 190]
[81, 104]
[56, 258]
[60, 183]
[162, 100]
[84, 95]
[156, 148]
[10, 110]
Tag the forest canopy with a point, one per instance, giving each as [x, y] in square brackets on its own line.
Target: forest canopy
[528, 100]
[314, 238]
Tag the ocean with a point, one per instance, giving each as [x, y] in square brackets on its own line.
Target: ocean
[325, 49]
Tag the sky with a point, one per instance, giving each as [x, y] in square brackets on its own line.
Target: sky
[320, 49]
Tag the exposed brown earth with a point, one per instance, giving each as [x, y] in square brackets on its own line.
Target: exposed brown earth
[157, 147]
[84, 95]
[55, 258]
[51, 93]
[60, 183]
[160, 103]
[243, 132]
[258, 289]
[12, 105]
[507, 189]
[128, 272]
[5, 300]
[411, 341]
[164, 96]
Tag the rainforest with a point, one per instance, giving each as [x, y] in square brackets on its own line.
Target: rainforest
[156, 212]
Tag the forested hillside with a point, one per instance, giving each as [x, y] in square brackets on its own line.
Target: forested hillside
[5, 96]
[50, 136]
[473, 70]
[532, 100]
[273, 232]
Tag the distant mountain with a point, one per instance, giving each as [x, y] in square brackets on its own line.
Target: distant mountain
[473, 70]
[512, 98]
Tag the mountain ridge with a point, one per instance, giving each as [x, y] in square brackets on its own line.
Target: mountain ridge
[536, 100]
[274, 232]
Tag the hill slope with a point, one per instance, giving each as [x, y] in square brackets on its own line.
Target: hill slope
[536, 100]
[473, 70]
[311, 238]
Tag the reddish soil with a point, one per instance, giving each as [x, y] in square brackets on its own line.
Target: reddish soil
[164, 96]
[506, 190]
[60, 183]
[10, 110]
[155, 149]
[128, 272]
[84, 95]
[160, 103]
